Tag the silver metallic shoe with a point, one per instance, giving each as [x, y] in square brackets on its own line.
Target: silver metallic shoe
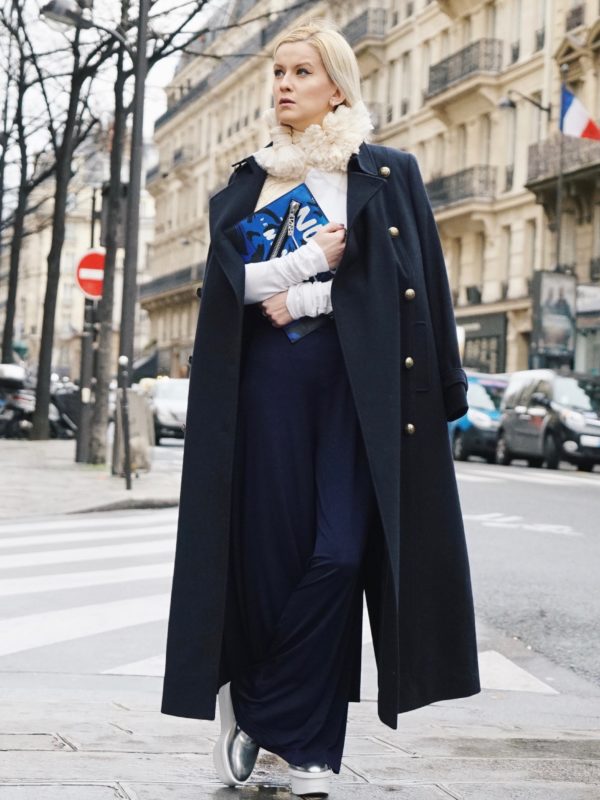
[310, 780]
[235, 753]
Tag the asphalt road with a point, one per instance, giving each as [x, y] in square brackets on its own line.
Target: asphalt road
[534, 544]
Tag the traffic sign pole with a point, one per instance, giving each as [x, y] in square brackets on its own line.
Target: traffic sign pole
[89, 275]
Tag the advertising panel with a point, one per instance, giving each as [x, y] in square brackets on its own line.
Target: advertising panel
[554, 315]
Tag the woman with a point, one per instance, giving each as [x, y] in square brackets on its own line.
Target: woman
[317, 470]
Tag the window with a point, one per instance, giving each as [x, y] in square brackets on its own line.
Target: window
[461, 146]
[425, 65]
[485, 140]
[530, 245]
[406, 81]
[535, 134]
[491, 17]
[506, 242]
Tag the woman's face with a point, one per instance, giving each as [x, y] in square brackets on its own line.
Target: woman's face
[302, 89]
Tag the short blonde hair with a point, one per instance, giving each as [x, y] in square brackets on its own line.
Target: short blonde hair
[336, 54]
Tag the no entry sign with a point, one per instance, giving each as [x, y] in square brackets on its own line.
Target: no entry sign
[90, 274]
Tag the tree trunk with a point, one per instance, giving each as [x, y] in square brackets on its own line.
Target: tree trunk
[104, 318]
[18, 225]
[40, 428]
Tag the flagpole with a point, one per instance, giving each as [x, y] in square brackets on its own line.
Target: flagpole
[564, 68]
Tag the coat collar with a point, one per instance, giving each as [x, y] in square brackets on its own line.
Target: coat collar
[238, 200]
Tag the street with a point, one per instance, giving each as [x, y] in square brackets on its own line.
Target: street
[83, 626]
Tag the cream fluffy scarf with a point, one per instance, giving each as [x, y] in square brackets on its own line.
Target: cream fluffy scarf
[327, 146]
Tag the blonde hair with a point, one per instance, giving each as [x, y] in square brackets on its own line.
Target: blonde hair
[336, 54]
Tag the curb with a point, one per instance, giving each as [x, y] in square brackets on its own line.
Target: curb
[132, 504]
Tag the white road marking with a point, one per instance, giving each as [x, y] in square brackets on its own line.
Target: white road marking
[101, 536]
[500, 673]
[152, 667]
[544, 478]
[463, 476]
[51, 627]
[495, 519]
[85, 522]
[87, 554]
[10, 587]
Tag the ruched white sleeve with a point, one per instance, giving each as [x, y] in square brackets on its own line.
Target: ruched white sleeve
[309, 299]
[266, 278]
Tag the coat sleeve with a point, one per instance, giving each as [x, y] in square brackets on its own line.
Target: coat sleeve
[452, 376]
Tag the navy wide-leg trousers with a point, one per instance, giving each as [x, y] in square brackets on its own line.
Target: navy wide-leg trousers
[302, 507]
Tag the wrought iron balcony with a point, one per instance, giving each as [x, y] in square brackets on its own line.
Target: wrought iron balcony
[473, 183]
[575, 17]
[371, 24]
[579, 155]
[484, 55]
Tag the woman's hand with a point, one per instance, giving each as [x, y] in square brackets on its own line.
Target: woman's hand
[332, 241]
[275, 309]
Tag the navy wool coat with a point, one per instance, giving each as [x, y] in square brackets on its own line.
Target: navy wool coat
[393, 312]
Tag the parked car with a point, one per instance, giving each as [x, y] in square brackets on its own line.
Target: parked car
[549, 416]
[474, 434]
[169, 407]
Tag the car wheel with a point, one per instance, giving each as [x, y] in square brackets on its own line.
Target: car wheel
[586, 466]
[459, 450]
[535, 462]
[156, 436]
[503, 454]
[551, 452]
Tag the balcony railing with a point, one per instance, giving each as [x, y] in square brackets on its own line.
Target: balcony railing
[595, 269]
[578, 154]
[484, 55]
[468, 184]
[575, 17]
[370, 24]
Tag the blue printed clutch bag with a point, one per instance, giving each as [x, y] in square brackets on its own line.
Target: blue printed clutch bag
[278, 228]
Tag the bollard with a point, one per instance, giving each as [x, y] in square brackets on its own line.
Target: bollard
[124, 385]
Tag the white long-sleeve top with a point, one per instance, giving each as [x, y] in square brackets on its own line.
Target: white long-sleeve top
[266, 278]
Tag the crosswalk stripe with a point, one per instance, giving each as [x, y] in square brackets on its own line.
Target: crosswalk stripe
[51, 627]
[84, 521]
[10, 587]
[72, 556]
[462, 476]
[500, 673]
[103, 536]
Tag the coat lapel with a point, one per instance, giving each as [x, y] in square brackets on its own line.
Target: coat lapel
[236, 201]
[362, 185]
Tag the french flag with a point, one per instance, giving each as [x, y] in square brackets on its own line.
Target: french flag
[574, 119]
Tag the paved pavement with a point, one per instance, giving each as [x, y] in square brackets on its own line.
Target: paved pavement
[43, 478]
[83, 605]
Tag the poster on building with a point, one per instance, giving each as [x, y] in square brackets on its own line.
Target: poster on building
[554, 315]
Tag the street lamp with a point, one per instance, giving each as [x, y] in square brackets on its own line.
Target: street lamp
[68, 12]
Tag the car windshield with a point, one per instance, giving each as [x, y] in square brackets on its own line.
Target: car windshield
[172, 390]
[484, 397]
[578, 393]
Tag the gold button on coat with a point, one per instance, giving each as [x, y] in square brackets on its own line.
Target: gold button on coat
[393, 231]
[409, 362]
[409, 294]
[384, 172]
[410, 428]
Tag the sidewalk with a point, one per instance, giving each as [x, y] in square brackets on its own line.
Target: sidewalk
[101, 737]
[43, 478]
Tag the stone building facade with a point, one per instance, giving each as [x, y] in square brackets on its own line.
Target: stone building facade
[437, 76]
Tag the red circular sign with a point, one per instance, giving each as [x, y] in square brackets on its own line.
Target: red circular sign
[90, 273]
